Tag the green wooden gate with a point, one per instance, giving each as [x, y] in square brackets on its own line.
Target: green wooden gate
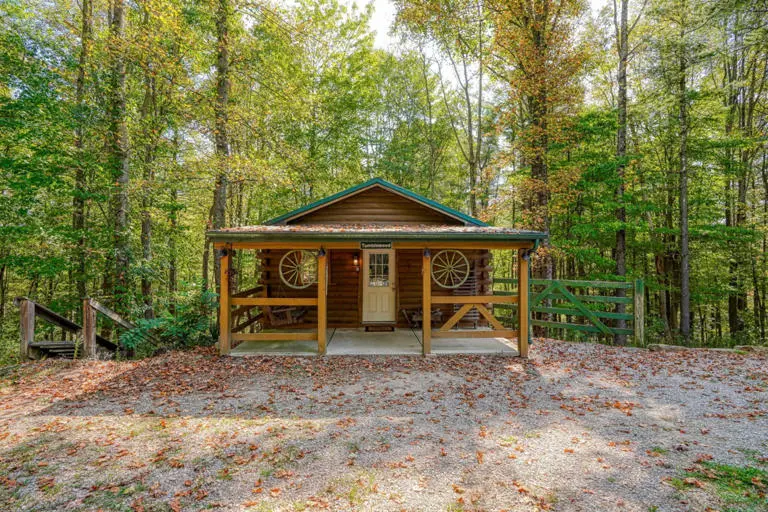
[582, 306]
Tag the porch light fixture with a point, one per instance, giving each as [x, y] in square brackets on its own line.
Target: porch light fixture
[527, 254]
[321, 252]
[356, 262]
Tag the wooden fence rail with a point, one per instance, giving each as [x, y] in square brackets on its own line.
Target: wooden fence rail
[562, 304]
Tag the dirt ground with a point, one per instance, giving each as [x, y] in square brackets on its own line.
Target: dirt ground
[576, 427]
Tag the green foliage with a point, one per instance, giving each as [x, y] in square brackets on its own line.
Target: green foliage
[315, 107]
[189, 326]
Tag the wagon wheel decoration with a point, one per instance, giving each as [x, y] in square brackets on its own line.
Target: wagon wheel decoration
[450, 268]
[298, 269]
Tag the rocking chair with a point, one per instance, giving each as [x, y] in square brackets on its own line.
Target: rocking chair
[284, 315]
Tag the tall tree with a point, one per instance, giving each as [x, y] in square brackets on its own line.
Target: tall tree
[119, 156]
[460, 31]
[622, 31]
[221, 124]
[535, 53]
[78, 200]
[685, 265]
[149, 121]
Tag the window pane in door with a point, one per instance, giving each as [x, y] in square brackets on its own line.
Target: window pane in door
[378, 270]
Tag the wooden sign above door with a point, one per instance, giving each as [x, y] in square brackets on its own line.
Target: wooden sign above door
[375, 245]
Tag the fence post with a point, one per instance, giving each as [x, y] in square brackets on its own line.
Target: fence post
[89, 329]
[639, 308]
[27, 327]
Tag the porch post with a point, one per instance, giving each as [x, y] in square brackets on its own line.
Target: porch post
[523, 314]
[426, 303]
[322, 301]
[224, 324]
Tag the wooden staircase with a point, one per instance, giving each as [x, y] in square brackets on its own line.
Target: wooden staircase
[62, 349]
[71, 344]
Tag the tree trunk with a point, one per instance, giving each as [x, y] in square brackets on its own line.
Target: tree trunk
[107, 287]
[205, 271]
[429, 125]
[148, 118]
[735, 92]
[3, 289]
[621, 155]
[118, 142]
[172, 252]
[78, 201]
[174, 233]
[764, 255]
[477, 178]
[146, 243]
[663, 278]
[539, 105]
[539, 174]
[221, 139]
[685, 292]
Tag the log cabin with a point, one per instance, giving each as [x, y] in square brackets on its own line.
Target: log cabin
[376, 256]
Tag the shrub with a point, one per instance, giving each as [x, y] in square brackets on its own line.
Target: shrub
[190, 326]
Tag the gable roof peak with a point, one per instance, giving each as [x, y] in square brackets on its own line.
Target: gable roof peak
[377, 182]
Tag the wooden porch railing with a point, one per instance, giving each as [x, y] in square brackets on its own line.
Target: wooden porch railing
[480, 303]
[247, 311]
[228, 333]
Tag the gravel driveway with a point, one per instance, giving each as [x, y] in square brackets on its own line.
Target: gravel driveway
[576, 427]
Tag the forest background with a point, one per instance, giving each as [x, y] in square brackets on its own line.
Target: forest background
[635, 135]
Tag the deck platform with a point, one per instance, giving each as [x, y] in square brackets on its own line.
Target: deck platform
[357, 342]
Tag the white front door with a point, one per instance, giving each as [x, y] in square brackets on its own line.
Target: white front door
[379, 286]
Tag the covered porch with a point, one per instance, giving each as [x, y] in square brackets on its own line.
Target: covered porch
[447, 332]
[356, 341]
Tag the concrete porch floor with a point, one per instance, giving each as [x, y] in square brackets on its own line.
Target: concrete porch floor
[358, 342]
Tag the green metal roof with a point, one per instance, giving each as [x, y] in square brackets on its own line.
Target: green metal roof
[384, 184]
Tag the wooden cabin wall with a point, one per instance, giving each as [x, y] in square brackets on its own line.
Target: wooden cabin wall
[344, 286]
[344, 307]
[409, 283]
[270, 278]
[376, 206]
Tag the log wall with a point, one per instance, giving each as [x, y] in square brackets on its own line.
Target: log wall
[344, 285]
[378, 206]
[344, 290]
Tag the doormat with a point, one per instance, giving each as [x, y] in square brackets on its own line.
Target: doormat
[379, 328]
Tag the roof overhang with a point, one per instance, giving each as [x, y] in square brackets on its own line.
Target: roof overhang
[345, 236]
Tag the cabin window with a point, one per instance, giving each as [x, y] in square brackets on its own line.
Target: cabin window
[378, 270]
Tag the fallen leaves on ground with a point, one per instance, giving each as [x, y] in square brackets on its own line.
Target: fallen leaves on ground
[574, 424]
